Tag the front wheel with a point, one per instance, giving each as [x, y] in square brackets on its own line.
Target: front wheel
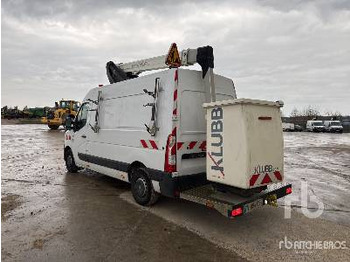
[70, 163]
[53, 127]
[142, 189]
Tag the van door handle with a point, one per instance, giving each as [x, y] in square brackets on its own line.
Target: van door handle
[83, 136]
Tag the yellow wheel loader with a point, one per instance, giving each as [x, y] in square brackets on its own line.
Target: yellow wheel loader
[57, 115]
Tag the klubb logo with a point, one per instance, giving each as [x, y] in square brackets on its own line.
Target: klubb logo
[217, 140]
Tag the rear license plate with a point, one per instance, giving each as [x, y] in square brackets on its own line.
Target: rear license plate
[272, 200]
[250, 206]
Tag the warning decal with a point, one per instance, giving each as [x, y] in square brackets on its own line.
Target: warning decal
[173, 57]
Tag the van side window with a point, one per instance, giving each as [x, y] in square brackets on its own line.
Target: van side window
[81, 117]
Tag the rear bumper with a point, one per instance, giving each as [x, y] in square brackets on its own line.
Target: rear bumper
[172, 186]
[336, 130]
[231, 205]
[267, 198]
[196, 188]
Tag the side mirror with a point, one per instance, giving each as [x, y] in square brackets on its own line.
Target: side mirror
[70, 122]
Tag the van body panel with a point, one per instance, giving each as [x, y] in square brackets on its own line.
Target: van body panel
[192, 122]
[122, 119]
[122, 138]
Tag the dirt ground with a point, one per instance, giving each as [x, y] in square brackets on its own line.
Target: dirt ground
[49, 214]
[8, 203]
[20, 121]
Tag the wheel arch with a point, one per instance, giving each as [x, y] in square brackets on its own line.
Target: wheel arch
[134, 165]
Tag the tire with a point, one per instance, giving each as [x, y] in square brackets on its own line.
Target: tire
[52, 127]
[70, 163]
[142, 189]
[63, 117]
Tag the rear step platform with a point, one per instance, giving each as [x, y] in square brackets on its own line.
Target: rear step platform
[232, 205]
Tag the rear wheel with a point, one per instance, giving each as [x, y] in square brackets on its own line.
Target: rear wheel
[70, 163]
[142, 189]
[53, 127]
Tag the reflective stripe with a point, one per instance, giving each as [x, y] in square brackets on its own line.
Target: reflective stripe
[153, 144]
[265, 178]
[175, 95]
[253, 179]
[144, 144]
[192, 145]
[179, 145]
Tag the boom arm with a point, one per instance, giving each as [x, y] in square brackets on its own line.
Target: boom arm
[188, 57]
[202, 55]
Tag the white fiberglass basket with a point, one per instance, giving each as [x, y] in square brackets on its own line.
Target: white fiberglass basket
[244, 143]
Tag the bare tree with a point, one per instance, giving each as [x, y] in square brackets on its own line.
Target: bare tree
[337, 113]
[310, 111]
[327, 112]
[295, 112]
[332, 113]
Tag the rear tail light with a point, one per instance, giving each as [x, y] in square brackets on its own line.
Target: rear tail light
[288, 190]
[170, 153]
[237, 212]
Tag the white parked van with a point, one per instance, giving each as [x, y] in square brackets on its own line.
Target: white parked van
[315, 126]
[333, 126]
[288, 127]
[123, 144]
[151, 131]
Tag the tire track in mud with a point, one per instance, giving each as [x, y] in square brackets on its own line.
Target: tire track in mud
[313, 208]
[90, 186]
[313, 164]
[30, 155]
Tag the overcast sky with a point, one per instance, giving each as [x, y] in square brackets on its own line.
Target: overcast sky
[295, 51]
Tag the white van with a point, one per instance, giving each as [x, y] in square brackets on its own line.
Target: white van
[333, 126]
[288, 127]
[315, 126]
[123, 146]
[151, 131]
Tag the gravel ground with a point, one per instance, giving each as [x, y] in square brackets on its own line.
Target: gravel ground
[49, 214]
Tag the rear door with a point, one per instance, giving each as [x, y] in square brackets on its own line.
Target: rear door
[191, 149]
